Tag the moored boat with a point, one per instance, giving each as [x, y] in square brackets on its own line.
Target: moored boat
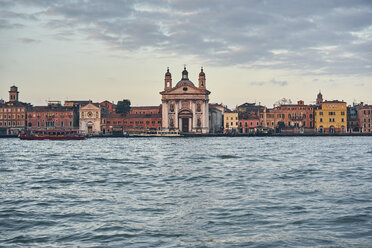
[51, 135]
[155, 134]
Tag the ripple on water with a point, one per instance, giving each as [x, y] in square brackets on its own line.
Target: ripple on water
[199, 192]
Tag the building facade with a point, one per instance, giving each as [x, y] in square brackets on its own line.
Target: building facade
[216, 112]
[185, 106]
[231, 121]
[90, 119]
[365, 118]
[331, 117]
[53, 116]
[248, 125]
[13, 116]
[353, 123]
[115, 123]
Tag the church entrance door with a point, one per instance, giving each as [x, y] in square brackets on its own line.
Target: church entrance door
[185, 125]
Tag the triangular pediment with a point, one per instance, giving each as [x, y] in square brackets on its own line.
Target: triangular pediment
[185, 88]
[90, 106]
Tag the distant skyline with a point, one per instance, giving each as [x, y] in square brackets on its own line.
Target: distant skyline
[251, 51]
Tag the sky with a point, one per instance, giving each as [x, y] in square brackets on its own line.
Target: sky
[251, 51]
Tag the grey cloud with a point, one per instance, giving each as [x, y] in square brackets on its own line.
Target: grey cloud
[271, 82]
[28, 40]
[314, 37]
[5, 24]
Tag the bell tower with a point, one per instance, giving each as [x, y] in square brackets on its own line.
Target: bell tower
[202, 80]
[319, 98]
[13, 94]
[168, 80]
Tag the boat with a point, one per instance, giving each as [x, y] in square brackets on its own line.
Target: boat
[154, 134]
[51, 135]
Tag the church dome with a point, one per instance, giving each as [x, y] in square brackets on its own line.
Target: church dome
[185, 78]
[183, 82]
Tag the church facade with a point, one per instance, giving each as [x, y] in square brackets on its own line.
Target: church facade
[185, 107]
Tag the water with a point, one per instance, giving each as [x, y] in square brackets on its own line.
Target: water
[187, 192]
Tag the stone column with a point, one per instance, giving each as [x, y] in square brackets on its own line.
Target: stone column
[206, 116]
[165, 114]
[176, 119]
[194, 116]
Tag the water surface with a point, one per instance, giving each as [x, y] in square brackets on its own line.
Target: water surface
[187, 192]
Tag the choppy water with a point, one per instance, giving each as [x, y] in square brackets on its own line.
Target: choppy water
[187, 192]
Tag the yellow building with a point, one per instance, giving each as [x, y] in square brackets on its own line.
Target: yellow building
[230, 122]
[331, 117]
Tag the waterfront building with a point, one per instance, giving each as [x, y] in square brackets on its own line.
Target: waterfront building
[365, 118]
[248, 125]
[90, 119]
[53, 116]
[13, 114]
[216, 112]
[139, 119]
[292, 118]
[331, 117]
[185, 106]
[231, 121]
[353, 124]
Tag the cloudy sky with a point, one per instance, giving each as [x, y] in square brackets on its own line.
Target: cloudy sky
[251, 51]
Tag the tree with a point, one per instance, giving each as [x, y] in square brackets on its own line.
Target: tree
[283, 101]
[123, 107]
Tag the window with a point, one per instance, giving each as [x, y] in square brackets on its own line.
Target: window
[198, 107]
[321, 120]
[342, 120]
[61, 123]
[320, 113]
[342, 113]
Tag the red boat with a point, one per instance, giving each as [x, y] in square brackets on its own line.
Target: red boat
[51, 135]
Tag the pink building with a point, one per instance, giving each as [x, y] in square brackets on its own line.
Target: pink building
[246, 125]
